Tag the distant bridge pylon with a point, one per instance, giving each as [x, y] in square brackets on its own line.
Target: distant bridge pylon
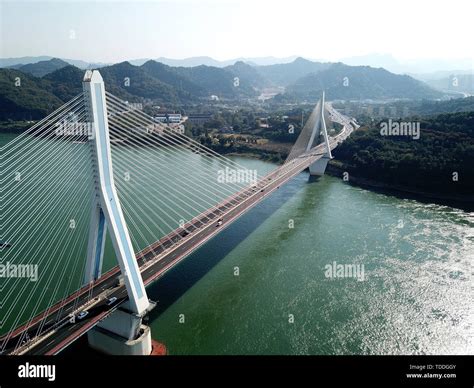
[312, 131]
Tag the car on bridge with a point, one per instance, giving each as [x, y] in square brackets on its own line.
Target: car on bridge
[111, 301]
[82, 315]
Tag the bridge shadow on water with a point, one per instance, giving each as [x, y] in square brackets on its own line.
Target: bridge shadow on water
[177, 281]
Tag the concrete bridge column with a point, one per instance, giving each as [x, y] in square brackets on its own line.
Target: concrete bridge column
[319, 167]
[122, 333]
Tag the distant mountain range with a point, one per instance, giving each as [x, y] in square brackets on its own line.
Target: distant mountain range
[359, 82]
[285, 74]
[17, 62]
[423, 67]
[46, 84]
[208, 61]
[420, 66]
[186, 62]
[40, 69]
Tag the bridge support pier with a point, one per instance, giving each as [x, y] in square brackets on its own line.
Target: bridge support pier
[110, 343]
[122, 333]
[319, 167]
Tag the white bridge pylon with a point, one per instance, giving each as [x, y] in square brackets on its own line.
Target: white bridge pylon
[106, 211]
[318, 167]
[310, 138]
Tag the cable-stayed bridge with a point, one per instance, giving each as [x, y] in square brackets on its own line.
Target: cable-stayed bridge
[98, 170]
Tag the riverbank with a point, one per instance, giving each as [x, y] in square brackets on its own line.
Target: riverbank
[336, 169]
[15, 127]
[257, 154]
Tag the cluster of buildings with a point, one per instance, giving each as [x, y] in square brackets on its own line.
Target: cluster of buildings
[169, 118]
[177, 118]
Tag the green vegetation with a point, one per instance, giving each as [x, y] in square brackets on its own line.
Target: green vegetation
[358, 82]
[367, 113]
[230, 145]
[285, 74]
[129, 82]
[24, 97]
[445, 149]
[172, 76]
[449, 106]
[65, 83]
[217, 81]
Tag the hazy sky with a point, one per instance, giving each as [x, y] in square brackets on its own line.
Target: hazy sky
[109, 31]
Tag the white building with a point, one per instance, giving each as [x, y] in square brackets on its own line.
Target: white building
[170, 118]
